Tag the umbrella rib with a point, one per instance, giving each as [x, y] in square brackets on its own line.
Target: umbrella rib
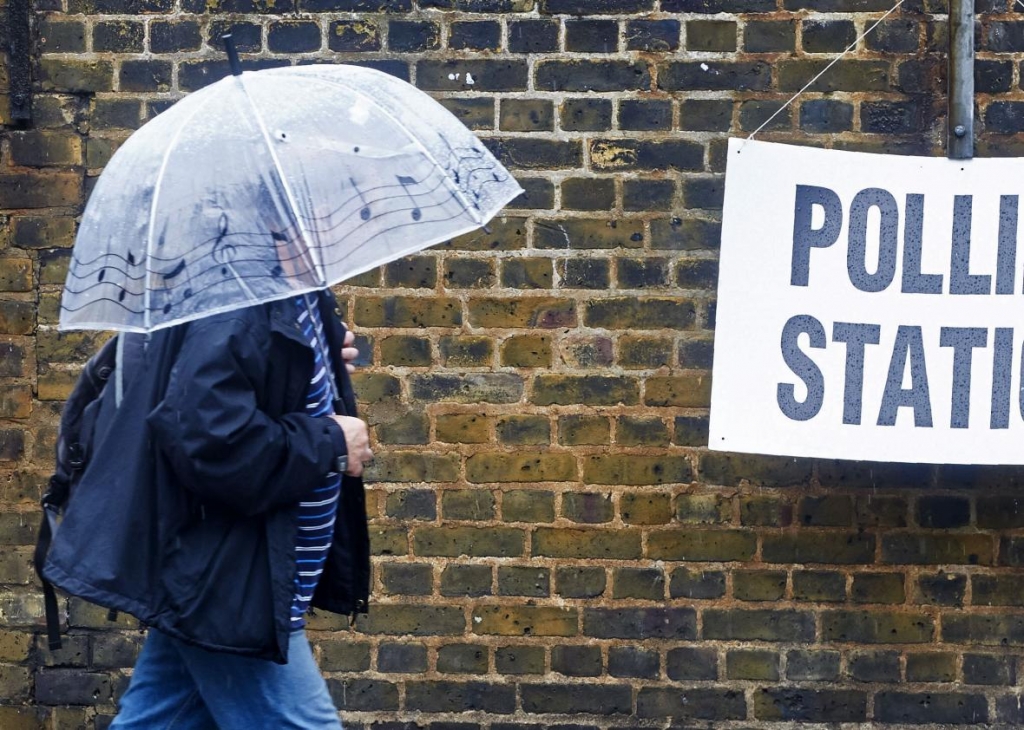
[454, 188]
[315, 264]
[152, 207]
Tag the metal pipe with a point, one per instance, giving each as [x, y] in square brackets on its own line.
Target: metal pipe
[960, 119]
[19, 61]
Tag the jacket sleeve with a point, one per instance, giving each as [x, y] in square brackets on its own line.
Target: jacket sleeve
[218, 441]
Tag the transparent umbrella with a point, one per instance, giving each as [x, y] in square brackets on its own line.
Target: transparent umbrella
[270, 184]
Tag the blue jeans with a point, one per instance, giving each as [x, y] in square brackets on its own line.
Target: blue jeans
[178, 686]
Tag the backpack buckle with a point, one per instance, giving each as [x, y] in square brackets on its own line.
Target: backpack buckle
[76, 456]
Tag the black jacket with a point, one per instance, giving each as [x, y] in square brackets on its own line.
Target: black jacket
[185, 515]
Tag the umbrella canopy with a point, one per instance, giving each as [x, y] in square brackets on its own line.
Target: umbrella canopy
[270, 184]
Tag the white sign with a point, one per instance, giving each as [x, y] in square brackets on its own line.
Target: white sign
[869, 307]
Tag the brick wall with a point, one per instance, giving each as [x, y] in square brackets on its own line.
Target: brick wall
[554, 545]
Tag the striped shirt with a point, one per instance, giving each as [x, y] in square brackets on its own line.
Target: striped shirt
[317, 515]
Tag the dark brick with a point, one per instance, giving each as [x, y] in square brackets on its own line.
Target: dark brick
[580, 582]
[407, 579]
[695, 583]
[843, 76]
[657, 36]
[999, 512]
[526, 115]
[586, 75]
[363, 695]
[1005, 36]
[118, 36]
[794, 704]
[475, 113]
[466, 580]
[596, 7]
[704, 193]
[695, 704]
[875, 666]
[592, 36]
[533, 36]
[640, 623]
[405, 36]
[937, 548]
[711, 35]
[827, 36]
[529, 153]
[61, 36]
[877, 627]
[943, 512]
[901, 35]
[812, 666]
[826, 115]
[630, 154]
[355, 6]
[484, 35]
[587, 193]
[642, 583]
[885, 117]
[401, 658]
[989, 669]
[588, 273]
[293, 37]
[752, 664]
[194, 75]
[585, 115]
[689, 664]
[878, 588]
[931, 667]
[462, 659]
[645, 116]
[71, 687]
[714, 76]
[166, 37]
[760, 625]
[353, 35]
[769, 36]
[412, 504]
[538, 194]
[472, 75]
[592, 699]
[518, 660]
[576, 660]
[759, 585]
[956, 708]
[248, 37]
[769, 115]
[718, 6]
[514, 580]
[630, 661]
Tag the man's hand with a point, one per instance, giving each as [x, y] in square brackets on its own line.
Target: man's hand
[349, 353]
[357, 439]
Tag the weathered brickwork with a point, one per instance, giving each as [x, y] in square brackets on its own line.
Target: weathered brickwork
[554, 545]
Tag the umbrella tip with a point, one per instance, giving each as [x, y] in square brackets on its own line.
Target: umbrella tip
[229, 46]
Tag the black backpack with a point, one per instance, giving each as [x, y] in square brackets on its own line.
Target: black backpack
[75, 438]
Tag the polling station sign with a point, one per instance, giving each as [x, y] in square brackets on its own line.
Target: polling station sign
[870, 307]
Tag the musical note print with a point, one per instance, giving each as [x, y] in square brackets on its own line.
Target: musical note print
[365, 212]
[405, 181]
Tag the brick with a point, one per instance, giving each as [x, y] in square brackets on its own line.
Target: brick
[168, 37]
[843, 76]
[401, 658]
[819, 547]
[70, 687]
[465, 351]
[415, 467]
[16, 318]
[931, 667]
[943, 512]
[711, 35]
[45, 148]
[766, 115]
[596, 7]
[407, 579]
[730, 469]
[587, 507]
[145, 76]
[902, 548]
[354, 36]
[769, 36]
[475, 113]
[657, 36]
[703, 509]
[532, 153]
[696, 704]
[999, 512]
[718, 6]
[878, 588]
[485, 75]
[486, 468]
[708, 544]
[802, 705]
[591, 390]
[752, 664]
[576, 660]
[614, 544]
[583, 430]
[75, 76]
[827, 36]
[466, 580]
[468, 273]
[348, 6]
[407, 312]
[812, 666]
[524, 621]
[584, 193]
[524, 273]
[398, 620]
[644, 352]
[389, 541]
[695, 583]
[987, 669]
[533, 36]
[363, 695]
[467, 504]
[901, 35]
[691, 389]
[678, 234]
[528, 506]
[996, 590]
[40, 190]
[640, 623]
[629, 154]
[635, 469]
[526, 115]
[592, 36]
[478, 36]
[874, 666]
[468, 388]
[119, 36]
[585, 115]
[593, 699]
[15, 401]
[687, 664]
[759, 585]
[956, 708]
[758, 625]
[628, 661]
[524, 581]
[519, 660]
[640, 313]
[580, 582]
[524, 312]
[877, 627]
[645, 116]
[596, 76]
[405, 36]
[714, 76]
[588, 234]
[450, 541]
[462, 659]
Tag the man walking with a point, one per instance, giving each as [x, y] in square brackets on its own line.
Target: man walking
[221, 501]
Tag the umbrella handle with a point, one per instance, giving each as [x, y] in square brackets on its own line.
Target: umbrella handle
[229, 47]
